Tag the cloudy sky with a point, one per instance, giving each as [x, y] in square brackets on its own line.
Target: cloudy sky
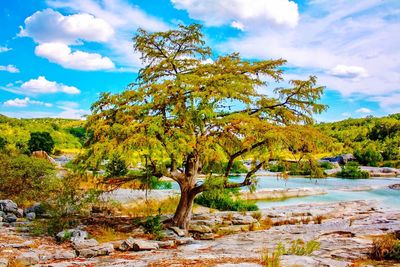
[57, 55]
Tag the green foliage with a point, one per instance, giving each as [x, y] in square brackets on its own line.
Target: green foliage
[326, 165]
[78, 132]
[301, 248]
[353, 171]
[25, 179]
[3, 143]
[297, 247]
[219, 167]
[368, 156]
[17, 131]
[369, 137]
[67, 203]
[153, 225]
[217, 197]
[41, 141]
[116, 167]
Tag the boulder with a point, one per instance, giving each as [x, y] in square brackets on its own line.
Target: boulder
[43, 155]
[72, 235]
[166, 244]
[138, 245]
[180, 232]
[2, 214]
[26, 259]
[240, 219]
[101, 250]
[10, 218]
[8, 206]
[196, 228]
[31, 216]
[19, 213]
[89, 248]
[37, 208]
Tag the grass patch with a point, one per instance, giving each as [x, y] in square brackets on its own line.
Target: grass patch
[386, 247]
[151, 207]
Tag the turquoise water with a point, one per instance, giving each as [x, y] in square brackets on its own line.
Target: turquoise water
[337, 190]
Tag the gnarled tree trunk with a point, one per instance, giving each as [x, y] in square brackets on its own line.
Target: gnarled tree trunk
[183, 212]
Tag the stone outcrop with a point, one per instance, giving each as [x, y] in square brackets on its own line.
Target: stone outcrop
[43, 155]
[138, 245]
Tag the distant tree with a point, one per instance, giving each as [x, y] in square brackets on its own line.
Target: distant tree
[41, 141]
[368, 156]
[183, 112]
[78, 132]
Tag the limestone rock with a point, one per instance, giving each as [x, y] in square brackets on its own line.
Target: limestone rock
[138, 245]
[196, 228]
[89, 248]
[239, 219]
[27, 259]
[166, 244]
[8, 206]
[10, 218]
[183, 241]
[178, 231]
[31, 216]
[72, 234]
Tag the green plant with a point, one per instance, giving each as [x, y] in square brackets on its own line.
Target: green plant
[272, 259]
[353, 171]
[154, 226]
[326, 165]
[26, 179]
[3, 143]
[223, 200]
[301, 248]
[41, 141]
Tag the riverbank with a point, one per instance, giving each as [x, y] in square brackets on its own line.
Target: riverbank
[345, 236]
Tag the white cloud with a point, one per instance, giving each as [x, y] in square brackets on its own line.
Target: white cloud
[238, 25]
[61, 54]
[4, 49]
[9, 68]
[364, 110]
[248, 13]
[72, 113]
[346, 114]
[23, 102]
[351, 46]
[42, 86]
[39, 86]
[125, 19]
[348, 72]
[389, 103]
[51, 26]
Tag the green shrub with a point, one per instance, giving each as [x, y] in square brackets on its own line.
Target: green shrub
[279, 167]
[153, 225]
[369, 156]
[223, 199]
[352, 170]
[41, 141]
[326, 165]
[25, 179]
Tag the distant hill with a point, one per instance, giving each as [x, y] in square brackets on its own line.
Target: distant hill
[370, 133]
[67, 133]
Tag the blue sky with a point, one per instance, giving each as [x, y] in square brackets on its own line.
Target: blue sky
[56, 56]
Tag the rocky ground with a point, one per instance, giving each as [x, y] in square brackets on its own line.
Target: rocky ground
[344, 230]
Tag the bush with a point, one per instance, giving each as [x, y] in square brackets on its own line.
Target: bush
[279, 167]
[41, 141]
[154, 226]
[222, 199]
[67, 203]
[369, 156]
[353, 171]
[386, 247]
[116, 167]
[25, 179]
[326, 165]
